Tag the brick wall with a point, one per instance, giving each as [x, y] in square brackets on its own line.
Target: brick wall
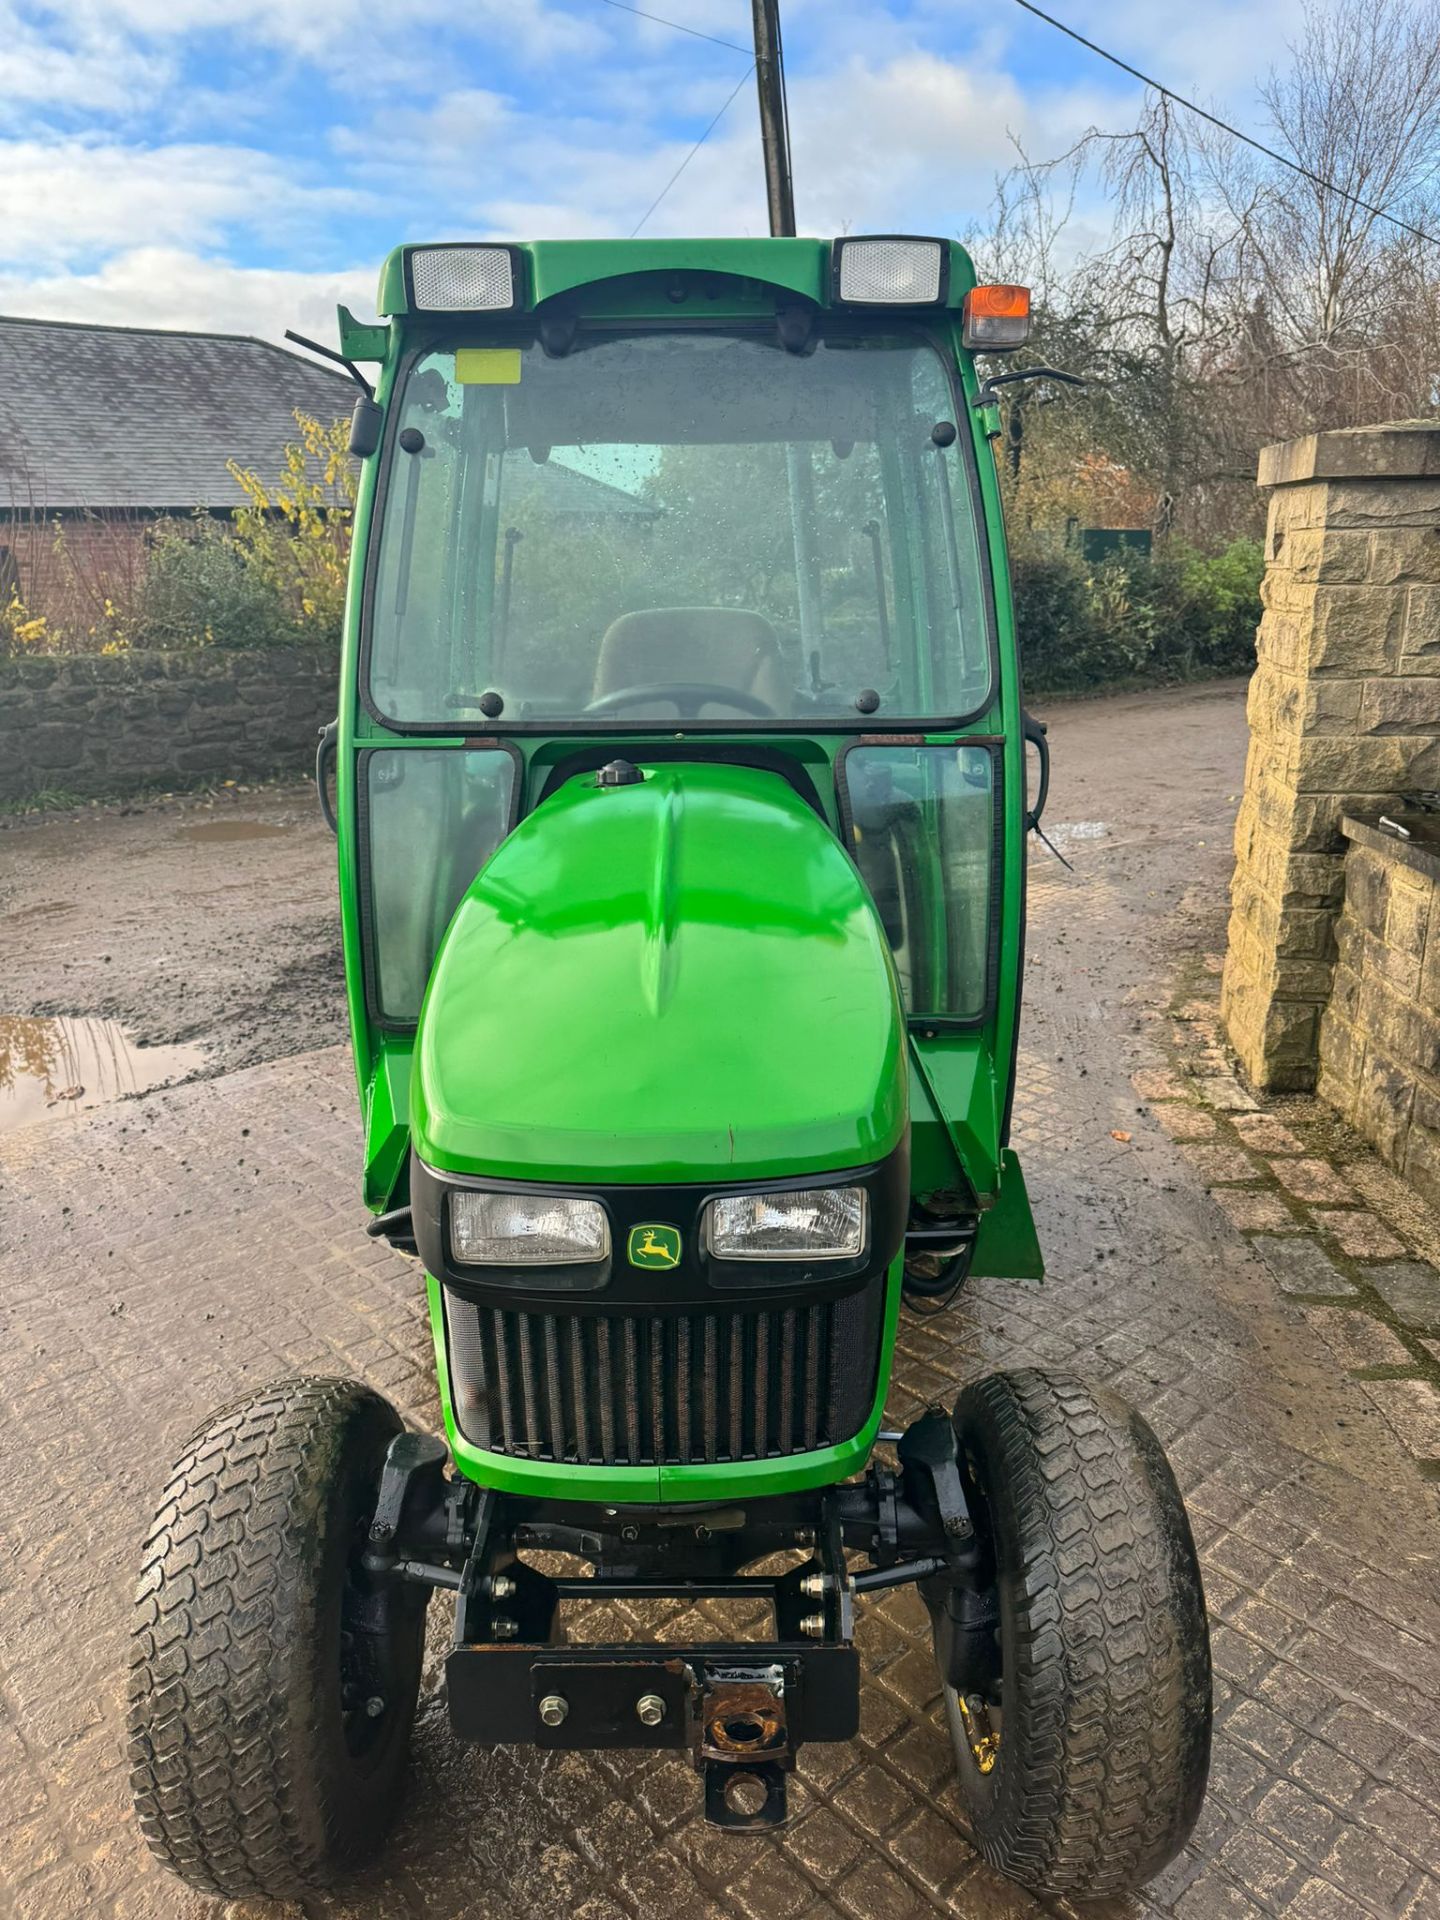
[66, 570]
[1380, 1033]
[106, 724]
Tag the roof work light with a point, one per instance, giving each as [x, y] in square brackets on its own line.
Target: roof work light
[996, 317]
[463, 279]
[890, 270]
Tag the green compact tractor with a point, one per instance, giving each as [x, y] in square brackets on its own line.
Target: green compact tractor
[680, 778]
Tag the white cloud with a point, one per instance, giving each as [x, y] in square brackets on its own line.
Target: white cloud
[347, 35]
[168, 287]
[1213, 50]
[913, 144]
[86, 66]
[73, 199]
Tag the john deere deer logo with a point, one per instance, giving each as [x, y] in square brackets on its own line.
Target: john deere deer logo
[654, 1247]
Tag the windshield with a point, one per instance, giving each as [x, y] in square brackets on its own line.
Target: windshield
[678, 526]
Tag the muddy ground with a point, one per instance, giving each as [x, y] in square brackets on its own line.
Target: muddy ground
[210, 920]
[213, 921]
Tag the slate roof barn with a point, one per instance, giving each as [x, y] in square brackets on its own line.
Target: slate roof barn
[109, 429]
[98, 419]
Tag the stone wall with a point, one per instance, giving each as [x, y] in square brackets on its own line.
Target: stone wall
[1344, 715]
[108, 724]
[1380, 1033]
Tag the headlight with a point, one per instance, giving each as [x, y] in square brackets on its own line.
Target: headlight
[526, 1230]
[815, 1223]
[468, 278]
[889, 270]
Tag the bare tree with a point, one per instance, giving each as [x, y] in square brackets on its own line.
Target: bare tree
[1234, 301]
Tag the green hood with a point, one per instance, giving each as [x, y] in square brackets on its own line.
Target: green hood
[682, 979]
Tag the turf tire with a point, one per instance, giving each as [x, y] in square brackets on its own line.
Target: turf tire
[250, 1775]
[1105, 1652]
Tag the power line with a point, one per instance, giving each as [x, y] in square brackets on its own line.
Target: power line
[660, 21]
[1284, 160]
[693, 151]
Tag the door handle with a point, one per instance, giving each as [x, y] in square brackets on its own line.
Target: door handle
[1035, 733]
[324, 752]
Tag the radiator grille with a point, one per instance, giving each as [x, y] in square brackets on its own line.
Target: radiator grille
[642, 1390]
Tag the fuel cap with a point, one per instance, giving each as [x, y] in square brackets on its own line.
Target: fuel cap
[618, 773]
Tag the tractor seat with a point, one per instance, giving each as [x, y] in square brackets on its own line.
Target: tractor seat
[664, 646]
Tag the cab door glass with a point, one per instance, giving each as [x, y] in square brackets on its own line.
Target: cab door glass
[432, 817]
[922, 824]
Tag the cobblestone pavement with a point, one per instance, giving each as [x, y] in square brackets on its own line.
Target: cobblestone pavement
[160, 1255]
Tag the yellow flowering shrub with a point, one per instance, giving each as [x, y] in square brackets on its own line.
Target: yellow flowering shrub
[23, 632]
[295, 535]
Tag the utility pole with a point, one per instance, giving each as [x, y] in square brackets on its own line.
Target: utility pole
[774, 120]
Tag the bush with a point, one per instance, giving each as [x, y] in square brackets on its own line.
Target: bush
[1183, 615]
[199, 591]
[272, 575]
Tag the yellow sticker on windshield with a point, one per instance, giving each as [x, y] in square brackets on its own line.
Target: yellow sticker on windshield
[487, 366]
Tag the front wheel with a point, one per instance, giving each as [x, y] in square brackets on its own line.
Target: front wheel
[272, 1688]
[1082, 1729]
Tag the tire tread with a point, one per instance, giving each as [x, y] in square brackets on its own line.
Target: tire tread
[1107, 1716]
[222, 1794]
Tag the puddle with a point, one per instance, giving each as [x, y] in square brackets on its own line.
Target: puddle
[228, 831]
[53, 1067]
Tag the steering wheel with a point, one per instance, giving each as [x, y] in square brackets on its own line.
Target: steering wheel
[687, 697]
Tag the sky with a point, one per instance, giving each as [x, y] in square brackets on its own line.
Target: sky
[179, 163]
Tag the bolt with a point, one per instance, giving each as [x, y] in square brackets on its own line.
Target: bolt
[553, 1709]
[651, 1709]
[813, 1585]
[702, 1534]
[503, 1628]
[502, 1587]
[374, 1706]
[629, 1535]
[813, 1623]
[380, 1531]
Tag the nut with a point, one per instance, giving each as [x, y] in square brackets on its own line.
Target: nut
[813, 1623]
[503, 1627]
[375, 1706]
[502, 1587]
[650, 1709]
[553, 1709]
[813, 1585]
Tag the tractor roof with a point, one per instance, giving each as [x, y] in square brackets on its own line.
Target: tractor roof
[551, 267]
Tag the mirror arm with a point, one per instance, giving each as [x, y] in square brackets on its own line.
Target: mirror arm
[329, 353]
[988, 396]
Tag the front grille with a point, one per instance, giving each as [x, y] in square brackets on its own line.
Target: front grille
[644, 1390]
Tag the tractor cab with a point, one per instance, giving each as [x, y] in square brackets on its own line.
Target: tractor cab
[687, 507]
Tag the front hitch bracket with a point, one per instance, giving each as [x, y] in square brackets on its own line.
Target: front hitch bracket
[743, 1749]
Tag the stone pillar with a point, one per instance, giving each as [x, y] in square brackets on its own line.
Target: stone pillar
[1344, 715]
